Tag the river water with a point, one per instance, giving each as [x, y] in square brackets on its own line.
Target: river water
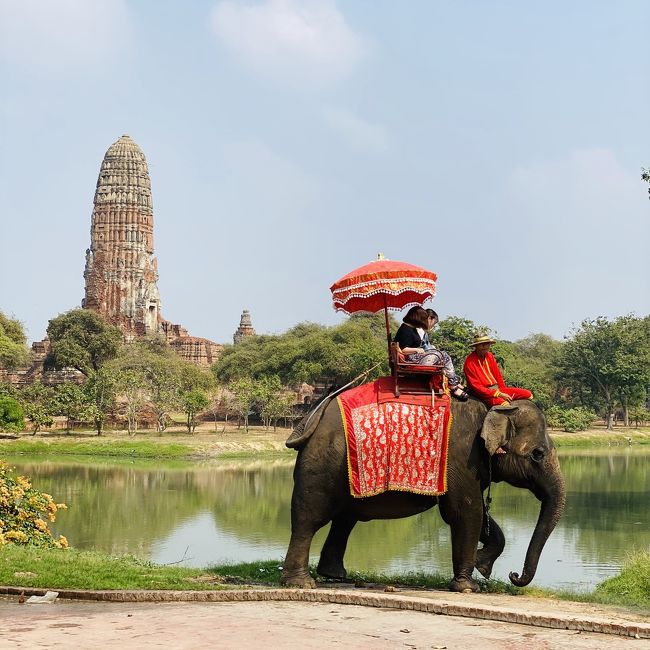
[227, 511]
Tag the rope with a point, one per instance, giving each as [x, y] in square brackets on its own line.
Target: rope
[488, 501]
[329, 397]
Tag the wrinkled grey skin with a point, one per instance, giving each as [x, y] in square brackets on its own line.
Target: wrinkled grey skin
[321, 491]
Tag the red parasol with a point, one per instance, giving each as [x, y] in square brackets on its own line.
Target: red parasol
[383, 284]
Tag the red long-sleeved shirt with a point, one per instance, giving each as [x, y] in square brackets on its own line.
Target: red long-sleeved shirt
[481, 375]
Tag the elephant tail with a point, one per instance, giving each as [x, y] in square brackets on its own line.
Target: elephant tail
[303, 430]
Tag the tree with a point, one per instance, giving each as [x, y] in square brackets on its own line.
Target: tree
[81, 339]
[222, 402]
[100, 391]
[163, 379]
[38, 403]
[270, 400]
[193, 377]
[632, 361]
[280, 405]
[131, 385]
[13, 343]
[245, 392]
[308, 352]
[605, 361]
[532, 363]
[645, 176]
[193, 401]
[12, 417]
[159, 369]
[71, 401]
[453, 335]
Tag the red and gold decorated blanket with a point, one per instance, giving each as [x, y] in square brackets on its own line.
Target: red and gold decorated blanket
[395, 443]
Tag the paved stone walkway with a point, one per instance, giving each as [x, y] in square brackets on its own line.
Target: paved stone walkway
[321, 618]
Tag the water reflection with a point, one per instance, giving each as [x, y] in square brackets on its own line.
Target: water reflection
[241, 512]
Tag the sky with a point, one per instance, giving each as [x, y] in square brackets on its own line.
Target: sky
[499, 144]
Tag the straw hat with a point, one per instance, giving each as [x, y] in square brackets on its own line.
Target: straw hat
[481, 338]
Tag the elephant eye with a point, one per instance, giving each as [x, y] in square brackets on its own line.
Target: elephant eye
[537, 454]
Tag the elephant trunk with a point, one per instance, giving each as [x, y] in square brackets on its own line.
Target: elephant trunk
[552, 505]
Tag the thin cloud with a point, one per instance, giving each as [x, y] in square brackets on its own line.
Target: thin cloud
[305, 41]
[588, 186]
[576, 229]
[62, 35]
[357, 132]
[263, 180]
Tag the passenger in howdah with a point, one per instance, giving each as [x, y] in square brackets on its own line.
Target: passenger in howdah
[414, 343]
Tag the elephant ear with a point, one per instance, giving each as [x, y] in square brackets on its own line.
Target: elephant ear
[303, 430]
[495, 430]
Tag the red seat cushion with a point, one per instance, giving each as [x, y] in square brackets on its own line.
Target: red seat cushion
[413, 367]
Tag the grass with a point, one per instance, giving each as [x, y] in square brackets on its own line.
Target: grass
[601, 438]
[269, 454]
[112, 448]
[27, 566]
[630, 589]
[205, 443]
[632, 586]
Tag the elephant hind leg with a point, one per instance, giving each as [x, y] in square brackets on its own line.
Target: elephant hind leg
[493, 545]
[330, 564]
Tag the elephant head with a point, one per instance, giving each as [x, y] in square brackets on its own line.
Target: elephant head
[531, 462]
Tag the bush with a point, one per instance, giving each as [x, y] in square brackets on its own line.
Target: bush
[639, 415]
[12, 417]
[570, 420]
[24, 512]
[632, 585]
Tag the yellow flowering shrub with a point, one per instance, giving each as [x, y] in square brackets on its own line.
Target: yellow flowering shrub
[24, 512]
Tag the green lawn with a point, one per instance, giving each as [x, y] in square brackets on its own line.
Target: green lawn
[112, 448]
[26, 566]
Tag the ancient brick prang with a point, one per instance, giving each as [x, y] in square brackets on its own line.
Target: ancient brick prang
[121, 273]
[36, 370]
[199, 351]
[245, 328]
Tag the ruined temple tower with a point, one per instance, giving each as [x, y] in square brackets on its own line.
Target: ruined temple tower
[245, 328]
[121, 273]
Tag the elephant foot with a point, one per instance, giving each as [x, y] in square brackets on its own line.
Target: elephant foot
[464, 585]
[484, 564]
[299, 579]
[484, 569]
[334, 570]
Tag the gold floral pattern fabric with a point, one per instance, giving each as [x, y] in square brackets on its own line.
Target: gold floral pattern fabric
[399, 444]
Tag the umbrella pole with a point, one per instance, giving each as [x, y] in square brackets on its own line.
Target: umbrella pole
[387, 325]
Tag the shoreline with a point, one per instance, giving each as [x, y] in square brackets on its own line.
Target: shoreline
[232, 443]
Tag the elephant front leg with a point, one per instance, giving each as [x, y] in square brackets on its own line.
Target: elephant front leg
[493, 545]
[307, 518]
[464, 520]
[331, 557]
[295, 571]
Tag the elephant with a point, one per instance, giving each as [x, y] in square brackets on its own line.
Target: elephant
[321, 490]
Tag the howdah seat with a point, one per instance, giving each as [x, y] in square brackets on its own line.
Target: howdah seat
[413, 378]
